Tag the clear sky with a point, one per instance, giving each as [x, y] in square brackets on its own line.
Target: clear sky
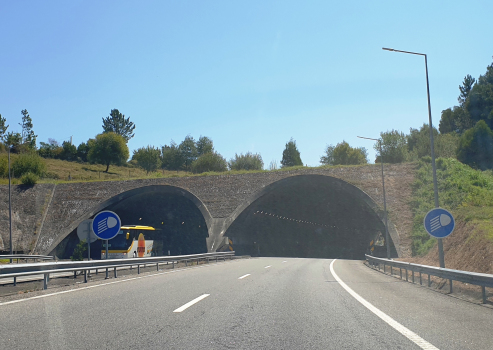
[248, 74]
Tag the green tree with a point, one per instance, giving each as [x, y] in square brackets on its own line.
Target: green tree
[148, 158]
[117, 123]
[418, 141]
[14, 141]
[28, 136]
[248, 161]
[447, 122]
[188, 151]
[476, 147]
[108, 148]
[50, 150]
[171, 157]
[69, 151]
[210, 161]
[465, 89]
[394, 146]
[83, 151]
[291, 155]
[3, 128]
[204, 145]
[343, 154]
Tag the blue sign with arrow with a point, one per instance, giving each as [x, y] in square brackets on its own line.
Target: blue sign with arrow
[439, 223]
[106, 224]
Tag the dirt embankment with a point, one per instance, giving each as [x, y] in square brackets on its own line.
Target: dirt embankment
[467, 248]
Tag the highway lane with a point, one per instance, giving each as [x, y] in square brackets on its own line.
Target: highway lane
[265, 303]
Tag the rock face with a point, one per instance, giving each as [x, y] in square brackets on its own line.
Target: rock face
[44, 214]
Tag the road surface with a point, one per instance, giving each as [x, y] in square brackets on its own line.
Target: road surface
[263, 303]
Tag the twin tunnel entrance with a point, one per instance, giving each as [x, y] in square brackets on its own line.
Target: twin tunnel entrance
[300, 216]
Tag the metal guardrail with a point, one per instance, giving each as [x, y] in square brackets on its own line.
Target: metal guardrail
[480, 279]
[14, 271]
[27, 257]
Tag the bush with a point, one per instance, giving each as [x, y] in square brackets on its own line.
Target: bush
[476, 147]
[247, 161]
[79, 251]
[4, 166]
[209, 162]
[29, 179]
[28, 163]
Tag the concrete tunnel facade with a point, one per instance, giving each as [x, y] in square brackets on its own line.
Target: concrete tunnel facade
[304, 216]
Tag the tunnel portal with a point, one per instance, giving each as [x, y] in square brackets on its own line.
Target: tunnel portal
[181, 227]
[310, 216]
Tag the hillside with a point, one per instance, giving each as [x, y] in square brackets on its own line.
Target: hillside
[468, 194]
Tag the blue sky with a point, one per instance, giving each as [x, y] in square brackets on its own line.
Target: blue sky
[248, 74]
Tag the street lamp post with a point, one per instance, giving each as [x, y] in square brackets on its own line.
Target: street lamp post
[387, 240]
[435, 186]
[10, 212]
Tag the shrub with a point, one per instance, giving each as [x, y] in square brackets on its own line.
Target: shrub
[476, 147]
[209, 162]
[29, 179]
[79, 251]
[28, 163]
[246, 161]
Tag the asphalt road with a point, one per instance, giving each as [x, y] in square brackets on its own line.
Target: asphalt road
[277, 304]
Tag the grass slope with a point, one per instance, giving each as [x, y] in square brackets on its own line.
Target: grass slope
[59, 171]
[468, 194]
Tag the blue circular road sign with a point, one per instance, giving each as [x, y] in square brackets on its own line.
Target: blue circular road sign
[106, 225]
[439, 223]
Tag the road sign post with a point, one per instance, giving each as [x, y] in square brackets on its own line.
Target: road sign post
[84, 233]
[439, 223]
[106, 226]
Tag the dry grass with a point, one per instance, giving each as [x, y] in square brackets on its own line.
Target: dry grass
[60, 171]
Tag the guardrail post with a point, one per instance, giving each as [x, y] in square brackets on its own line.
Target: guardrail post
[45, 281]
[400, 272]
[483, 291]
[85, 276]
[173, 264]
[407, 276]
[138, 269]
[413, 275]
[420, 281]
[75, 274]
[15, 281]
[186, 263]
[107, 276]
[451, 288]
[429, 280]
[157, 266]
[96, 271]
[114, 272]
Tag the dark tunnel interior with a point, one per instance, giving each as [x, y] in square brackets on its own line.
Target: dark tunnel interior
[308, 216]
[181, 227]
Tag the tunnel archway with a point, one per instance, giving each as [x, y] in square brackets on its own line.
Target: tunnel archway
[180, 218]
[309, 216]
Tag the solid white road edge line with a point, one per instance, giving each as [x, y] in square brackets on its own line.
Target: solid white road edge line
[190, 303]
[416, 339]
[108, 283]
[267, 267]
[242, 277]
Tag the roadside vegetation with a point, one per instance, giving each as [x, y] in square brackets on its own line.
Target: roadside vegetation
[466, 192]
